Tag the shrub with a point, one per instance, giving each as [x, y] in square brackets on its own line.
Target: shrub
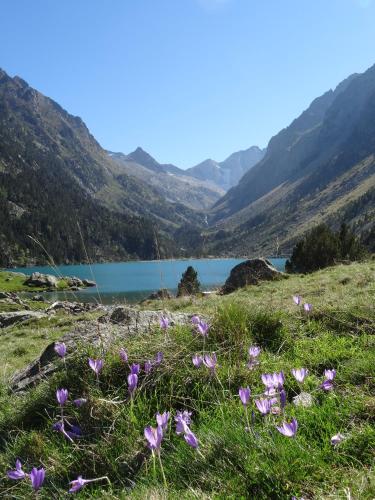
[322, 247]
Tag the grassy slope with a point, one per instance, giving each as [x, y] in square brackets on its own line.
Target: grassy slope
[230, 463]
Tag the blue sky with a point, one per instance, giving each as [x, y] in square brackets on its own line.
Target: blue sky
[186, 79]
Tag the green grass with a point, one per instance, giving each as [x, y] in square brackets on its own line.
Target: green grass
[10, 282]
[231, 462]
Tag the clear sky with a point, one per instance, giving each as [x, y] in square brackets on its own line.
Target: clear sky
[185, 79]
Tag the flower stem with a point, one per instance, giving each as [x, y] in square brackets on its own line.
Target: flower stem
[162, 470]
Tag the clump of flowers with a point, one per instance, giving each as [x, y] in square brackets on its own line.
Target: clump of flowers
[36, 476]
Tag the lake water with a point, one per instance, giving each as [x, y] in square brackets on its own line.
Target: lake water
[134, 281]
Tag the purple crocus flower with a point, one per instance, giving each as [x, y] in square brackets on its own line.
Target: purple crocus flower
[203, 328]
[135, 368]
[197, 360]
[336, 439]
[159, 357]
[182, 421]
[267, 380]
[330, 374]
[148, 366]
[273, 380]
[164, 322]
[307, 308]
[132, 382]
[254, 351]
[96, 365]
[77, 484]
[162, 419]
[300, 373]
[278, 379]
[210, 361]
[80, 402]
[263, 406]
[244, 393]
[37, 477]
[18, 473]
[297, 299]
[123, 356]
[327, 385]
[195, 320]
[60, 349]
[154, 437]
[62, 396]
[282, 398]
[288, 429]
[191, 439]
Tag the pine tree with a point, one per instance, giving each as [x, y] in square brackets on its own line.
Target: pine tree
[189, 284]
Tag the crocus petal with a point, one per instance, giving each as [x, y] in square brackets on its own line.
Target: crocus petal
[330, 374]
[37, 478]
[132, 382]
[244, 394]
[254, 351]
[191, 439]
[62, 396]
[327, 385]
[60, 349]
[123, 355]
[80, 402]
[77, 484]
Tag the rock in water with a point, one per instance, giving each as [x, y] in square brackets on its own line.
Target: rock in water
[88, 283]
[39, 279]
[250, 272]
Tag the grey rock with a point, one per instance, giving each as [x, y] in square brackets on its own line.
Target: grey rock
[38, 298]
[304, 399]
[74, 282]
[161, 294]
[250, 272]
[72, 307]
[88, 283]
[11, 318]
[39, 279]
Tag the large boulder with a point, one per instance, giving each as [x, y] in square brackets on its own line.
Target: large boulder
[114, 327]
[43, 280]
[11, 318]
[250, 272]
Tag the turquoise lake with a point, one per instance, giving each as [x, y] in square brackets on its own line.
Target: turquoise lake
[134, 281]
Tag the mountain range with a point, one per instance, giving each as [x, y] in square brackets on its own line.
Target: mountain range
[59, 186]
[321, 168]
[54, 175]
